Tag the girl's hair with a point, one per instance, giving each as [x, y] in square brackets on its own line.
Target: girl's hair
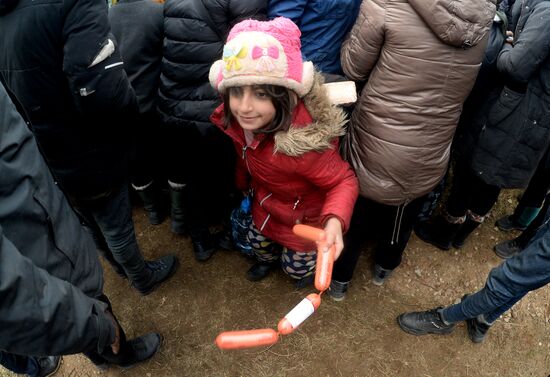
[283, 99]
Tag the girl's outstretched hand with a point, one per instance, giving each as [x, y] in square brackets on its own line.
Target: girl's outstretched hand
[333, 236]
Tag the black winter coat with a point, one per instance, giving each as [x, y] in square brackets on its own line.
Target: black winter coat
[192, 43]
[514, 121]
[50, 274]
[79, 111]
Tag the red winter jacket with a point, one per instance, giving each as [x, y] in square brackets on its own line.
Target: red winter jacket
[296, 176]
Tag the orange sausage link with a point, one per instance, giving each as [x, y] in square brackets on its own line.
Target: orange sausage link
[301, 313]
[309, 232]
[325, 263]
[232, 340]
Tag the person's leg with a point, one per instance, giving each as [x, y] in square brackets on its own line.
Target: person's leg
[145, 165]
[113, 216]
[507, 283]
[442, 229]
[345, 265]
[484, 199]
[299, 266]
[397, 225]
[89, 223]
[267, 252]
[19, 364]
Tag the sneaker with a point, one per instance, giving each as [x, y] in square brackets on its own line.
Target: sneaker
[304, 282]
[507, 224]
[422, 323]
[380, 275]
[508, 249]
[259, 270]
[337, 290]
[139, 350]
[48, 365]
[161, 270]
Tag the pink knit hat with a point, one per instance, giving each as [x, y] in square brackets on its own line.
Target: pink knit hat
[263, 52]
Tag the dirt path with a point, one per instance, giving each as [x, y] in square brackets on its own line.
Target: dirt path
[357, 337]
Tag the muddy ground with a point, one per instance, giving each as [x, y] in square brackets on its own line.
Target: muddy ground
[356, 337]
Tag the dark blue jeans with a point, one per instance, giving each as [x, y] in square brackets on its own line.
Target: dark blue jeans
[109, 220]
[19, 364]
[509, 282]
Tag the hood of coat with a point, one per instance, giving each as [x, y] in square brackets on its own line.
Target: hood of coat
[329, 123]
[7, 5]
[457, 23]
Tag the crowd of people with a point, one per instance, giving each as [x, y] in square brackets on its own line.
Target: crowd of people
[222, 105]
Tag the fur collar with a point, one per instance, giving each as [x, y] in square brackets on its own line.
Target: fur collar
[328, 123]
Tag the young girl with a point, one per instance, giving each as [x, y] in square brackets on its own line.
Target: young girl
[286, 135]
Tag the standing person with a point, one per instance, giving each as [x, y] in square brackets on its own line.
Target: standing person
[420, 60]
[499, 153]
[285, 132]
[60, 61]
[506, 285]
[51, 282]
[324, 25]
[138, 30]
[200, 163]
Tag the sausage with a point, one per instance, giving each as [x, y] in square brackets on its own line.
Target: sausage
[323, 269]
[309, 232]
[232, 340]
[299, 313]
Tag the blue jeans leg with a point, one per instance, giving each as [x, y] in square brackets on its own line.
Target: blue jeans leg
[19, 364]
[507, 283]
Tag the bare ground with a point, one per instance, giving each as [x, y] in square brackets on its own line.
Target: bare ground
[357, 337]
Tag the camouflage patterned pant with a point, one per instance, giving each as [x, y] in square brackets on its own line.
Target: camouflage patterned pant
[295, 264]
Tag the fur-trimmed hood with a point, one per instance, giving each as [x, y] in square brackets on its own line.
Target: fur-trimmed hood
[329, 122]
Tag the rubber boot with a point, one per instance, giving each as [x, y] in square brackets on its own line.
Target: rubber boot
[465, 230]
[439, 232]
[177, 205]
[151, 205]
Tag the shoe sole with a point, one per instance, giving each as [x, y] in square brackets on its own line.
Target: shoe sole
[336, 298]
[170, 274]
[378, 283]
[408, 330]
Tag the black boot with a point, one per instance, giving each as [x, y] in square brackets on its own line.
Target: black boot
[204, 244]
[439, 232]
[132, 352]
[151, 204]
[465, 230]
[155, 273]
[260, 270]
[177, 204]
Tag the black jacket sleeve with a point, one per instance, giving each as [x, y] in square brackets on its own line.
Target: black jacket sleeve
[92, 62]
[43, 315]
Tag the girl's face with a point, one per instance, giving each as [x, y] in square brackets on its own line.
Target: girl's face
[251, 106]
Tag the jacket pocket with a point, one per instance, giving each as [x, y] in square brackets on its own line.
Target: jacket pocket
[59, 235]
[505, 106]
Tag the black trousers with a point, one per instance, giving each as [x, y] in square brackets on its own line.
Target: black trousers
[389, 226]
[536, 191]
[469, 192]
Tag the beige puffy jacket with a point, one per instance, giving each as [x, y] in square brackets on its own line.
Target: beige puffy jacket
[420, 58]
